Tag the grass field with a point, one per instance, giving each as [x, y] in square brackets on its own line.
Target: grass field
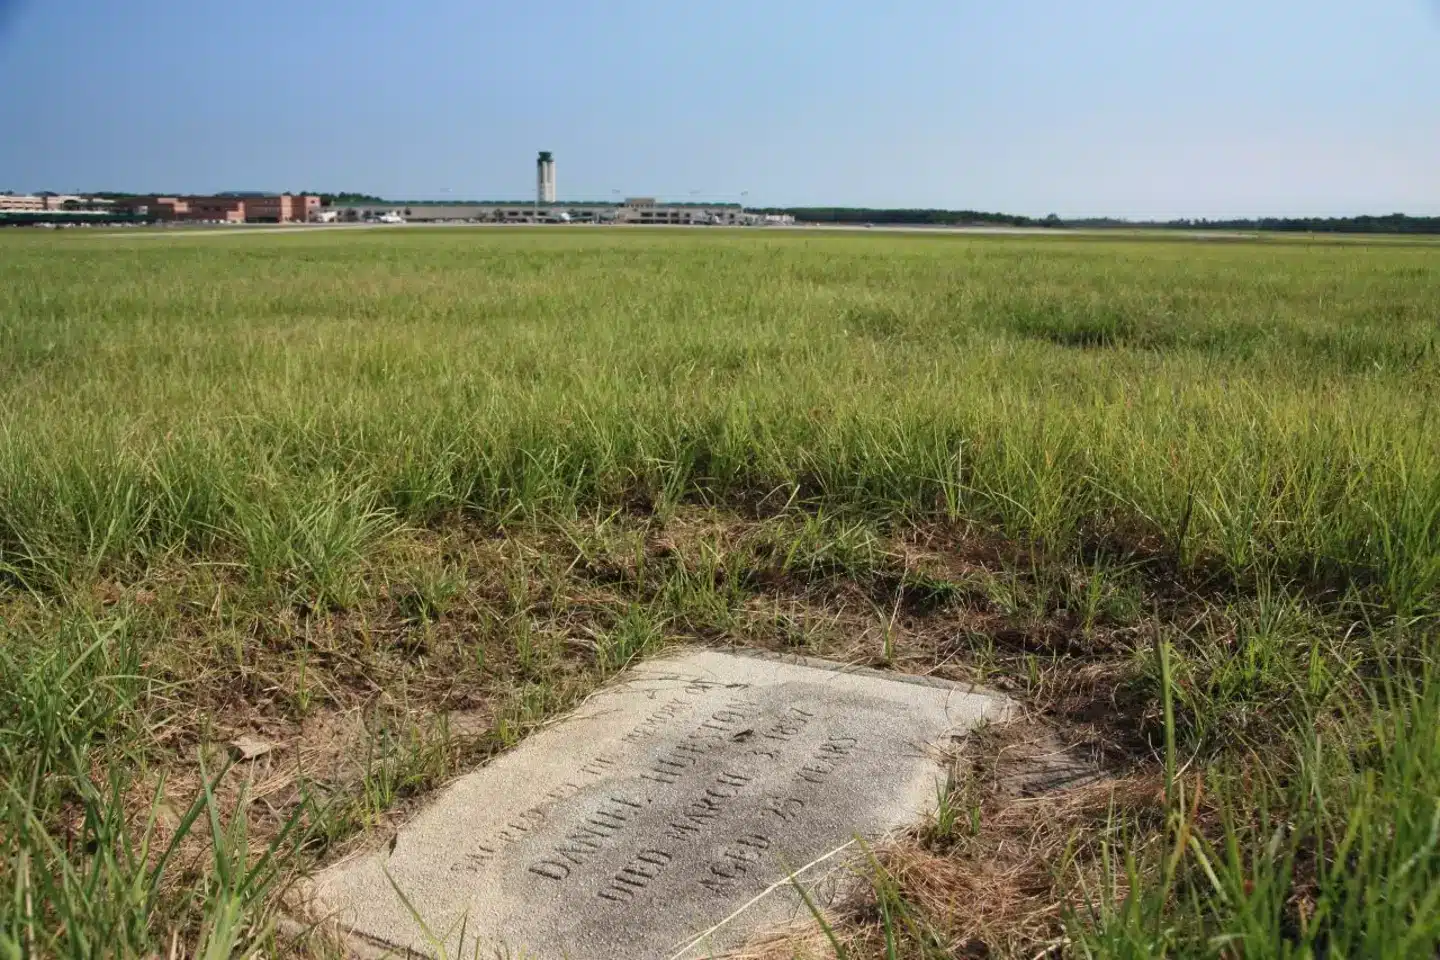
[372, 504]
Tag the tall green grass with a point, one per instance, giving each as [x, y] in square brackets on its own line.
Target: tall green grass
[1328, 846]
[1256, 406]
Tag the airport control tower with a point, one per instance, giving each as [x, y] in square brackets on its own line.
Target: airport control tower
[545, 178]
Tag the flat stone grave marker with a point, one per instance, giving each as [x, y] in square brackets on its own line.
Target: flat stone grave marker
[663, 818]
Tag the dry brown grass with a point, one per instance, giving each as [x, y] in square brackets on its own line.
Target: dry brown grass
[998, 886]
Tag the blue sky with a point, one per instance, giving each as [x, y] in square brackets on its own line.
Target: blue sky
[1178, 108]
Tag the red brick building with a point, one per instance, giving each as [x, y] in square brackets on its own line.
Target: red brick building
[284, 208]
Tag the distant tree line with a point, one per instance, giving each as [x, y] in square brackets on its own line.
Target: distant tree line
[329, 198]
[908, 216]
[1391, 223]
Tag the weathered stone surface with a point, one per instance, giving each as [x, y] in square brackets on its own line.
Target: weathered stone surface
[638, 826]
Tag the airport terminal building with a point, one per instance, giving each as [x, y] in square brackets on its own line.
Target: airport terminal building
[546, 209]
[635, 210]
